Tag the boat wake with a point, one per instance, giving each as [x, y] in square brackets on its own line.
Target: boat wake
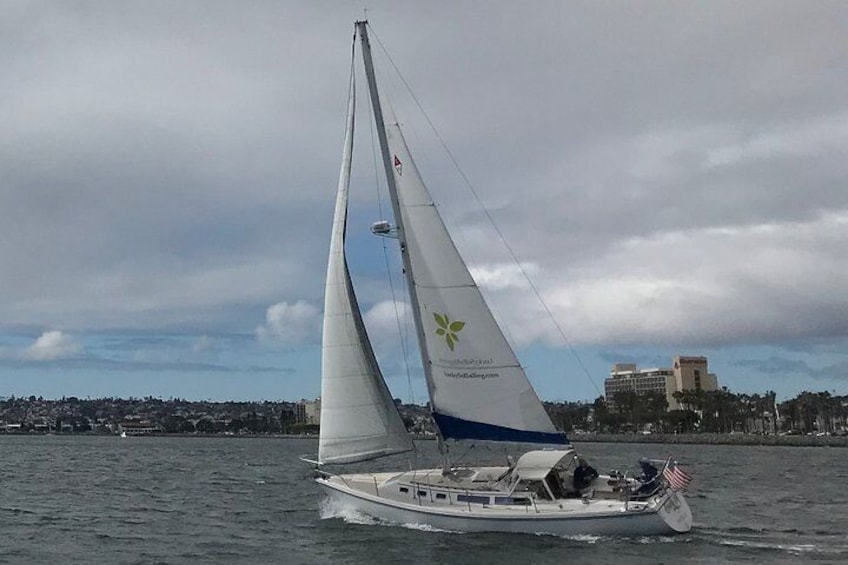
[428, 528]
[789, 548]
[583, 538]
[589, 539]
[778, 541]
[331, 508]
[334, 509]
[662, 539]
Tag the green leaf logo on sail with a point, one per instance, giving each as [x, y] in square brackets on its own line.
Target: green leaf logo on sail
[448, 329]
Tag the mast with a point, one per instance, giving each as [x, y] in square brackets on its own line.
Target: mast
[362, 28]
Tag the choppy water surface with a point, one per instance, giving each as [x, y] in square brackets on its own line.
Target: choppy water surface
[108, 500]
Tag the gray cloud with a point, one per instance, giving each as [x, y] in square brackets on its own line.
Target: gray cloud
[782, 367]
[641, 360]
[94, 362]
[673, 173]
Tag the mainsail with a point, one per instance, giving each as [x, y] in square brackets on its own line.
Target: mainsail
[478, 390]
[359, 419]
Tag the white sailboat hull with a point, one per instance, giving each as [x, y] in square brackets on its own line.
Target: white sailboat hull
[372, 495]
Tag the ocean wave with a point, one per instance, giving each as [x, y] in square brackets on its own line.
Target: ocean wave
[428, 528]
[790, 548]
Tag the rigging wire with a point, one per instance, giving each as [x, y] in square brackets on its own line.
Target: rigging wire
[457, 461]
[491, 220]
[401, 334]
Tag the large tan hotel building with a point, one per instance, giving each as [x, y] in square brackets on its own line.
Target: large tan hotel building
[687, 373]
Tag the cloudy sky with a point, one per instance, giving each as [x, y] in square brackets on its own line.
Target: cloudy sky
[672, 176]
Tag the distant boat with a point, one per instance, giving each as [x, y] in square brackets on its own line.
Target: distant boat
[123, 434]
[478, 390]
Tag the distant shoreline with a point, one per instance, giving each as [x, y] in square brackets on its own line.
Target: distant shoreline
[715, 439]
[690, 439]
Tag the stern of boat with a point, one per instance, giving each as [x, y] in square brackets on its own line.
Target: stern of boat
[675, 512]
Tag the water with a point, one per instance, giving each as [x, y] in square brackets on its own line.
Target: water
[107, 500]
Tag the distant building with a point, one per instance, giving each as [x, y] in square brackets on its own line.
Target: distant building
[690, 373]
[133, 428]
[308, 412]
[687, 373]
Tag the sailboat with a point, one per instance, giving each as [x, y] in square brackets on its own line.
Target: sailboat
[478, 390]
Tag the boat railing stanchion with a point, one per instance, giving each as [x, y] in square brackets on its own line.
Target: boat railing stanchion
[468, 500]
[376, 488]
[533, 500]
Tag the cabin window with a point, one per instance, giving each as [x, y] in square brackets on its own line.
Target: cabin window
[472, 498]
[422, 493]
[510, 500]
[440, 495]
[404, 489]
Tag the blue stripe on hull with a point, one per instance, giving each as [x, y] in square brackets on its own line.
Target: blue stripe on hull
[457, 428]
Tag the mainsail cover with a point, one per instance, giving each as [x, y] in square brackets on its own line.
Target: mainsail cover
[359, 419]
[477, 387]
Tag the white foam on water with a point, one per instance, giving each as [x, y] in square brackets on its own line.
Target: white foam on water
[592, 539]
[661, 539]
[429, 528]
[333, 509]
[795, 548]
[585, 538]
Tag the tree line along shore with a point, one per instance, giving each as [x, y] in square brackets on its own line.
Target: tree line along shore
[714, 417]
[716, 439]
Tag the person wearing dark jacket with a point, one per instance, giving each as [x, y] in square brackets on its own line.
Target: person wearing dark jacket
[648, 478]
[584, 474]
[649, 472]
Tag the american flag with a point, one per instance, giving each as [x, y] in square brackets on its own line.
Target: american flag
[677, 478]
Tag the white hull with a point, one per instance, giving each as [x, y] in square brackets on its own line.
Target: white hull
[665, 514]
